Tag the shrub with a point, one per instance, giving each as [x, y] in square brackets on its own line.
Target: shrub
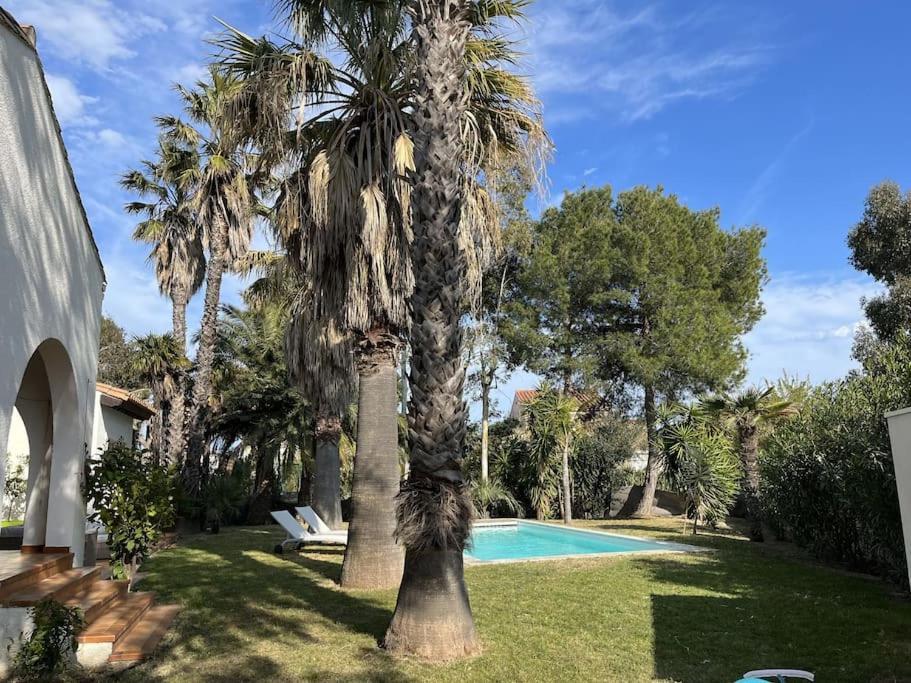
[492, 499]
[827, 476]
[47, 653]
[14, 489]
[131, 496]
[599, 466]
[699, 462]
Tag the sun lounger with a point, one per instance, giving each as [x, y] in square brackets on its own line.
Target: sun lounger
[781, 675]
[308, 514]
[298, 535]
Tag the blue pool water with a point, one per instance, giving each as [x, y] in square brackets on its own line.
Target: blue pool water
[527, 540]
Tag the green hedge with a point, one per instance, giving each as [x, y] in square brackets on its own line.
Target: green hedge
[828, 480]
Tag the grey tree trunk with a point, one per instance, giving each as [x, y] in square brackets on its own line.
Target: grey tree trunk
[325, 489]
[177, 413]
[432, 615]
[652, 468]
[567, 489]
[373, 559]
[749, 450]
[565, 451]
[263, 485]
[485, 430]
[198, 413]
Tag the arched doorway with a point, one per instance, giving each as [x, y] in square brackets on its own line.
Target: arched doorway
[44, 436]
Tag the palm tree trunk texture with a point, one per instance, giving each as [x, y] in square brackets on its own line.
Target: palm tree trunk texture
[325, 487]
[567, 489]
[198, 413]
[644, 509]
[432, 616]
[485, 430]
[567, 494]
[373, 558]
[749, 451]
[177, 417]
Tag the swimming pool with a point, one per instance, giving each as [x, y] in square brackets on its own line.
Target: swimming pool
[524, 540]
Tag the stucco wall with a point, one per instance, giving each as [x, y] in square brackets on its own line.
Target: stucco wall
[110, 425]
[51, 282]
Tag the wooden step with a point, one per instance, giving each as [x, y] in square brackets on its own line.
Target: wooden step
[143, 637]
[60, 586]
[26, 570]
[95, 598]
[122, 614]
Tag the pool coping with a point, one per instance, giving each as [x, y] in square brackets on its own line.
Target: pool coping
[672, 547]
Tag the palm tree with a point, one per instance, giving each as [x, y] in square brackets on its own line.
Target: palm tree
[552, 427]
[344, 214]
[746, 412]
[224, 201]
[170, 226]
[698, 458]
[349, 199]
[257, 402]
[453, 66]
[319, 358]
[158, 361]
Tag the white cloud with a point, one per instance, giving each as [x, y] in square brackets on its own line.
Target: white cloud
[588, 58]
[69, 103]
[187, 74]
[589, 171]
[92, 32]
[809, 326]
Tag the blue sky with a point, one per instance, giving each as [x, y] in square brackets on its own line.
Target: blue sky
[783, 114]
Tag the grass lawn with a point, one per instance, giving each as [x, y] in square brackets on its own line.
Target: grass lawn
[10, 522]
[253, 615]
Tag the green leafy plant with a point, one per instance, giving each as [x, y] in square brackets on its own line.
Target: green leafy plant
[491, 497]
[225, 496]
[14, 488]
[47, 653]
[700, 463]
[552, 427]
[131, 495]
[828, 480]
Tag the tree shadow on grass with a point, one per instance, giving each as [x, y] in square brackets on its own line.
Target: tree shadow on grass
[237, 594]
[761, 612]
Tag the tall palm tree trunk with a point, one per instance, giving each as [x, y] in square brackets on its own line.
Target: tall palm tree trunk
[485, 428]
[373, 559]
[325, 488]
[749, 451]
[177, 415]
[567, 488]
[263, 485]
[432, 615]
[198, 413]
[647, 502]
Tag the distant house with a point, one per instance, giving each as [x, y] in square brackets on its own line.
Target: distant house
[119, 416]
[588, 402]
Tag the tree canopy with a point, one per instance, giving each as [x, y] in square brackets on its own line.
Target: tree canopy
[881, 246]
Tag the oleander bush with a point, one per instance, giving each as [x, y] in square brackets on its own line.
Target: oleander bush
[828, 481]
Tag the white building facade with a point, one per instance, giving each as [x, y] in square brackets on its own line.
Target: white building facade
[51, 287]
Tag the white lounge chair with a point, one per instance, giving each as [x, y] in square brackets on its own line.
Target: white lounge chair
[779, 674]
[308, 514]
[298, 535]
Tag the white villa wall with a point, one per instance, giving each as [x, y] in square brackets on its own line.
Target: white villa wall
[110, 425]
[51, 281]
